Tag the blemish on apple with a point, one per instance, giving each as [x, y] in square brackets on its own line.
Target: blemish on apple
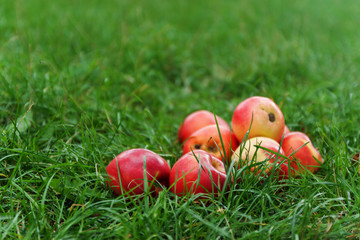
[197, 146]
[271, 117]
[212, 149]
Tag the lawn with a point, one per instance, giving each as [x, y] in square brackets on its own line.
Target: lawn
[82, 81]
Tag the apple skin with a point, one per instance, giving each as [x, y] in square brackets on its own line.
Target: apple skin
[130, 164]
[196, 121]
[286, 130]
[185, 172]
[305, 155]
[262, 114]
[251, 155]
[208, 139]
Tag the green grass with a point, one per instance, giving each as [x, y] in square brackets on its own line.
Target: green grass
[82, 81]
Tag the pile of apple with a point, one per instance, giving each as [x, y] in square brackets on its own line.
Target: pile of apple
[258, 140]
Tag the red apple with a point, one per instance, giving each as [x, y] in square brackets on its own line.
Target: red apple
[126, 172]
[286, 130]
[196, 121]
[262, 114]
[250, 153]
[302, 156]
[208, 139]
[187, 176]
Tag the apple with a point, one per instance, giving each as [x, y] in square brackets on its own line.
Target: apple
[126, 172]
[286, 130]
[196, 121]
[264, 117]
[208, 139]
[250, 154]
[197, 172]
[302, 156]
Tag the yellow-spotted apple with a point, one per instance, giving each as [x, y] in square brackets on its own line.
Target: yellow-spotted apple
[260, 158]
[262, 115]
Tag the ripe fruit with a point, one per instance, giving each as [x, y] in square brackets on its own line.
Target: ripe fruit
[286, 130]
[251, 154]
[187, 176]
[262, 114]
[126, 172]
[305, 156]
[208, 139]
[196, 121]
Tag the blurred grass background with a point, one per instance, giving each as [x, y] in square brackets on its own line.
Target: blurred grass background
[84, 80]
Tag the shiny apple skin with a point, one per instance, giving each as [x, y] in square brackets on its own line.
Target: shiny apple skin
[262, 114]
[251, 154]
[196, 121]
[208, 139]
[184, 175]
[306, 156]
[130, 164]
